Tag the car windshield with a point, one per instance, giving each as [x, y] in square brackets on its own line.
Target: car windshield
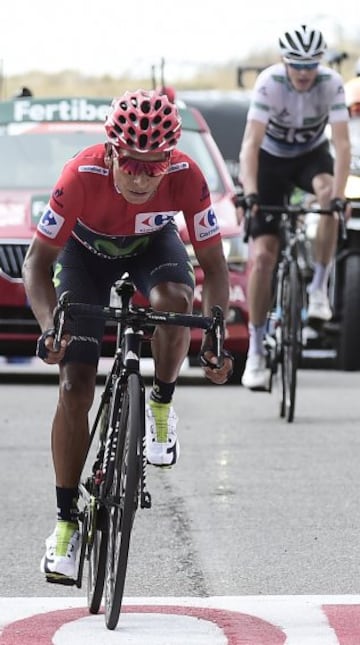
[34, 160]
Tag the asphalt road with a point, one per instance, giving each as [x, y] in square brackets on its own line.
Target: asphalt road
[254, 506]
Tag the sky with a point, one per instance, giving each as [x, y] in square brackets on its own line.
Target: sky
[118, 37]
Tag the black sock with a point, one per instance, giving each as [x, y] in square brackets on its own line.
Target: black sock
[67, 504]
[162, 392]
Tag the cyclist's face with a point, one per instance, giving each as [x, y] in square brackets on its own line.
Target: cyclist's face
[302, 77]
[137, 176]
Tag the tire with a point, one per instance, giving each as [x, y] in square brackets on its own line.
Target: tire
[291, 339]
[238, 369]
[97, 547]
[96, 570]
[349, 341]
[124, 490]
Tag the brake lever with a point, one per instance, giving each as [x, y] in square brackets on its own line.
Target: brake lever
[59, 318]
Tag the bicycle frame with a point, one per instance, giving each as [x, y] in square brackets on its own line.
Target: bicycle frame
[118, 475]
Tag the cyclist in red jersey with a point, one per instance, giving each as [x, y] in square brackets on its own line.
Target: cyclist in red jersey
[112, 211]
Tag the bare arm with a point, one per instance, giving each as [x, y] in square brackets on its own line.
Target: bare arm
[342, 147]
[215, 292]
[216, 278]
[37, 276]
[249, 155]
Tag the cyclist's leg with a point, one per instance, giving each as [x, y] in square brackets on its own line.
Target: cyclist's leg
[79, 272]
[316, 176]
[169, 287]
[273, 186]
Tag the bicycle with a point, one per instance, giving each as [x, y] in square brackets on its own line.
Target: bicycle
[288, 311]
[111, 492]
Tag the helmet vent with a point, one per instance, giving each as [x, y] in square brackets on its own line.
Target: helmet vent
[143, 141]
[145, 107]
[144, 123]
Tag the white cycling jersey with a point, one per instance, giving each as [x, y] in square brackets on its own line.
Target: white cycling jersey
[296, 120]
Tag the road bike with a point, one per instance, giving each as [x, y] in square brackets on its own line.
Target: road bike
[113, 482]
[287, 314]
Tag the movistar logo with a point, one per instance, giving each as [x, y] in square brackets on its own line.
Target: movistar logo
[112, 250]
[56, 279]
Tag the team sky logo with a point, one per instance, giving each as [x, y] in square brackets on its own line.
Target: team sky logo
[97, 170]
[150, 222]
[50, 223]
[205, 225]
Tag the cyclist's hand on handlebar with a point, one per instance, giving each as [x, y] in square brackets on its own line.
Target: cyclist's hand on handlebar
[338, 205]
[45, 347]
[208, 360]
[252, 201]
[245, 204]
[218, 375]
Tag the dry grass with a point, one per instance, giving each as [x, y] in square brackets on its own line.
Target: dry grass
[73, 83]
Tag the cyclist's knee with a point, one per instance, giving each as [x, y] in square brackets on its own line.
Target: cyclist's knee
[172, 296]
[77, 387]
[264, 259]
[323, 185]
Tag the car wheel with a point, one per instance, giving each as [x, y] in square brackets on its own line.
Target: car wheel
[349, 341]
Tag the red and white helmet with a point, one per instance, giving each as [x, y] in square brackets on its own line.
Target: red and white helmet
[143, 121]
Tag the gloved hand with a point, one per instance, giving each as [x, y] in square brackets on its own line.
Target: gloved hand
[252, 199]
[338, 204]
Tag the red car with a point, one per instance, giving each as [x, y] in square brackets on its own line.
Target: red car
[37, 136]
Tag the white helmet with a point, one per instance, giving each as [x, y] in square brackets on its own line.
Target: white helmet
[303, 43]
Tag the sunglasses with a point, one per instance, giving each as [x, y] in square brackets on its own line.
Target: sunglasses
[135, 167]
[300, 66]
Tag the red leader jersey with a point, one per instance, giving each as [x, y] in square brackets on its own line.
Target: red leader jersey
[86, 205]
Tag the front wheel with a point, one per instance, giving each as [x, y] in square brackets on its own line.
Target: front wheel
[291, 340]
[123, 494]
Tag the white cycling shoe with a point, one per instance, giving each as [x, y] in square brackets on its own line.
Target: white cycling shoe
[59, 562]
[162, 446]
[319, 306]
[256, 376]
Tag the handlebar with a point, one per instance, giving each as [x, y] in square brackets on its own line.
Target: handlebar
[140, 318]
[295, 211]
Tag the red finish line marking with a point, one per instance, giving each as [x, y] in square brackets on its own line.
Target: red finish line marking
[239, 629]
[345, 621]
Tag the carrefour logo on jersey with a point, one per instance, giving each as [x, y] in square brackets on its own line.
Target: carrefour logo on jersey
[60, 110]
[50, 223]
[205, 224]
[147, 222]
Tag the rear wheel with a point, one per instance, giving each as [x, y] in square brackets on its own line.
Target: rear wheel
[291, 341]
[96, 569]
[123, 494]
[97, 524]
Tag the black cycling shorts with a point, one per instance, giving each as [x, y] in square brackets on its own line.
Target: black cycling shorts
[277, 178]
[89, 279]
